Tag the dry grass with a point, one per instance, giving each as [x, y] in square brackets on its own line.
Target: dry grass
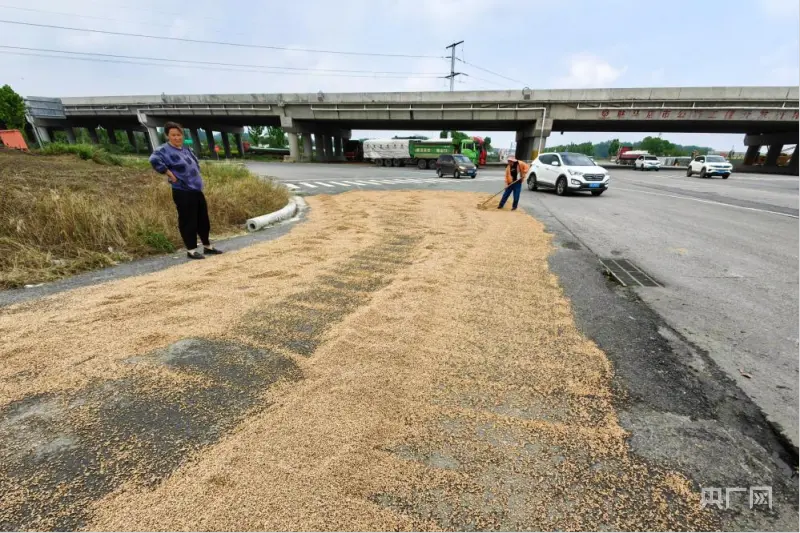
[60, 215]
[448, 390]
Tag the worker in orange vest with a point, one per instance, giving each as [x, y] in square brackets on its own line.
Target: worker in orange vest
[515, 173]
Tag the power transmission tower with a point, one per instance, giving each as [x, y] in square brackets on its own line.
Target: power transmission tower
[453, 72]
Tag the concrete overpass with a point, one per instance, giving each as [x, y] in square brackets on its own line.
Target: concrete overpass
[763, 114]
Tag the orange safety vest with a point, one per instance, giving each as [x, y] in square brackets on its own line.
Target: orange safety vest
[522, 171]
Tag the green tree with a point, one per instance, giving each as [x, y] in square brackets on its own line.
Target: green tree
[12, 109]
[487, 143]
[654, 145]
[256, 135]
[613, 147]
[276, 137]
[459, 136]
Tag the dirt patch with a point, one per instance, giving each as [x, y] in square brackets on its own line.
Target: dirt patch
[444, 385]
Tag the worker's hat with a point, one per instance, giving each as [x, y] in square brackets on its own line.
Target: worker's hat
[511, 158]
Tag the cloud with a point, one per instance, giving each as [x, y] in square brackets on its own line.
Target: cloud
[587, 71]
[781, 8]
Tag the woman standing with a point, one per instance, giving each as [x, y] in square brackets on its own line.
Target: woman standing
[182, 169]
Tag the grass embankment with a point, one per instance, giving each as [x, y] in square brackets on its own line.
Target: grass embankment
[61, 215]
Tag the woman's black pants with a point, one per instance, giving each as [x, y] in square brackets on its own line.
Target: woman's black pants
[192, 217]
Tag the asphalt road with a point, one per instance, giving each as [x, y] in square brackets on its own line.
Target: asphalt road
[725, 251]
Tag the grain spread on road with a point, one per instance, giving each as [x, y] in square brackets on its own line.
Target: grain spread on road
[401, 360]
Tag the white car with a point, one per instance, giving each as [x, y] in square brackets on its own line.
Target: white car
[710, 165]
[567, 172]
[647, 162]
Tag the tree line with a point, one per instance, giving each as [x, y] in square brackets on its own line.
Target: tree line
[609, 149]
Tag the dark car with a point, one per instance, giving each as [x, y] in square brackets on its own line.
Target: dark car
[455, 165]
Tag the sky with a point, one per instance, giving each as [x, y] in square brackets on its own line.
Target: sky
[541, 45]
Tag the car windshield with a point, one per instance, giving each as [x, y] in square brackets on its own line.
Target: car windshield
[715, 159]
[462, 158]
[577, 160]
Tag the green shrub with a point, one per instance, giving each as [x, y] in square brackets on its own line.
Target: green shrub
[156, 240]
[84, 151]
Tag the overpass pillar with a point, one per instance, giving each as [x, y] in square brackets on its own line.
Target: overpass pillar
[307, 148]
[132, 139]
[239, 144]
[152, 136]
[70, 135]
[93, 135]
[524, 149]
[751, 155]
[532, 138]
[195, 135]
[43, 134]
[112, 135]
[793, 162]
[318, 146]
[212, 144]
[337, 148]
[773, 154]
[148, 144]
[294, 147]
[538, 144]
[226, 144]
[328, 144]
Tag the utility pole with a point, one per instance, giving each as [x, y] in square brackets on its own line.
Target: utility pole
[453, 72]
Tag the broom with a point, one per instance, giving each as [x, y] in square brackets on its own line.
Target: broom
[482, 205]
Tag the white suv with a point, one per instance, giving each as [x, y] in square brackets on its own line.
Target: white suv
[647, 162]
[710, 165]
[567, 172]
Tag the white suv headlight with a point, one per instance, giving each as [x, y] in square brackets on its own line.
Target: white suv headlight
[575, 172]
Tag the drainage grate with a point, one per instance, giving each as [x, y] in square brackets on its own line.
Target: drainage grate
[628, 274]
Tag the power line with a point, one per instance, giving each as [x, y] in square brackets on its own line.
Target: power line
[485, 80]
[220, 43]
[215, 63]
[491, 72]
[259, 71]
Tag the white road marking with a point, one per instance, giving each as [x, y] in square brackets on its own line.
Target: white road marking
[308, 185]
[706, 202]
[291, 187]
[323, 184]
[343, 184]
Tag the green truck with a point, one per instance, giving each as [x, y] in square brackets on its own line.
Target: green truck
[420, 153]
